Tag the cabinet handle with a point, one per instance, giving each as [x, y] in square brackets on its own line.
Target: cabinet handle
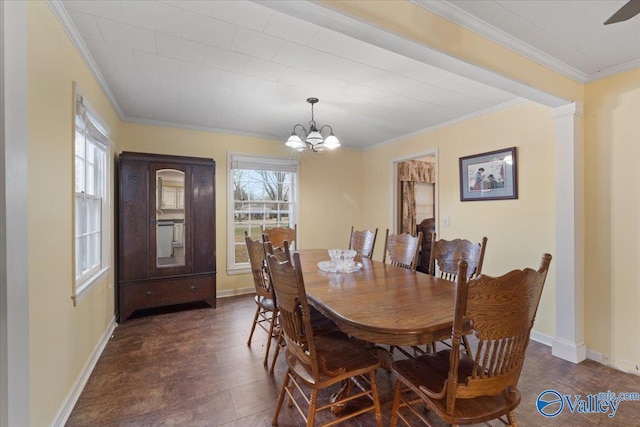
[148, 293]
[194, 288]
[152, 220]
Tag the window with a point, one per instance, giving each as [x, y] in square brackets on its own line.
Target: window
[262, 192]
[424, 200]
[92, 199]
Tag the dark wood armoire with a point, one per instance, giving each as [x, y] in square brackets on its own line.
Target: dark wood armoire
[167, 235]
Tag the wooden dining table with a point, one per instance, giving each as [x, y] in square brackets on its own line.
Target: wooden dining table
[381, 303]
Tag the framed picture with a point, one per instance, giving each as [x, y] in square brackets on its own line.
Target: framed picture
[489, 176]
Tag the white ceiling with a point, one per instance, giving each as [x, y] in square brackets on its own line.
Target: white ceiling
[243, 67]
[568, 36]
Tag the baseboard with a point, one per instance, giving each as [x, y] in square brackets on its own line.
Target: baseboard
[625, 366]
[603, 358]
[598, 357]
[541, 338]
[70, 401]
[571, 351]
[234, 292]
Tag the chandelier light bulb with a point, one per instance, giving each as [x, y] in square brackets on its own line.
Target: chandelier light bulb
[331, 142]
[294, 142]
[314, 138]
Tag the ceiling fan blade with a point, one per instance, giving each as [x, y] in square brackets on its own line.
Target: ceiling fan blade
[627, 11]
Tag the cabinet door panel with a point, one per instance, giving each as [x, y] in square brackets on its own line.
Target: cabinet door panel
[204, 219]
[134, 214]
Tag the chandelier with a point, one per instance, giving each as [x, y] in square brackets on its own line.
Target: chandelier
[301, 139]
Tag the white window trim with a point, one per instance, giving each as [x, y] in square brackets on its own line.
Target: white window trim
[233, 268]
[83, 286]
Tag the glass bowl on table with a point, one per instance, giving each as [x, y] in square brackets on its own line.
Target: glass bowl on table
[342, 261]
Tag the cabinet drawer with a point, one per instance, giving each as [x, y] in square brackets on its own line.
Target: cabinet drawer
[165, 291]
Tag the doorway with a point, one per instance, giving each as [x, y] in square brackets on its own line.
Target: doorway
[415, 192]
[415, 201]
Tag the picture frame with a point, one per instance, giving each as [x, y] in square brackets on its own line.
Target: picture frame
[489, 176]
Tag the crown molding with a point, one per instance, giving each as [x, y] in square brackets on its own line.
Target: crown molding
[466, 20]
[67, 24]
[614, 70]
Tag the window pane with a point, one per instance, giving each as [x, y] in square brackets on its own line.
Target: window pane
[283, 214]
[78, 257]
[255, 231]
[241, 253]
[94, 250]
[79, 142]
[101, 157]
[94, 215]
[81, 250]
[80, 175]
[90, 169]
[82, 219]
[79, 215]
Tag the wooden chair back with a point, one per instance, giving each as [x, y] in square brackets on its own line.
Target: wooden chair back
[502, 311]
[447, 254]
[295, 318]
[363, 242]
[258, 262]
[282, 253]
[402, 249]
[428, 227]
[277, 235]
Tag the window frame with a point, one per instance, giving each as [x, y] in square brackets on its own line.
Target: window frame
[277, 163]
[96, 133]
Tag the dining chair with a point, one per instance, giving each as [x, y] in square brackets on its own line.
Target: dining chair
[266, 311]
[282, 252]
[402, 249]
[427, 226]
[363, 242]
[277, 235]
[445, 256]
[463, 389]
[319, 361]
[319, 322]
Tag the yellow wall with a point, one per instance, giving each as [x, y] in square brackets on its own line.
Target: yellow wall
[330, 184]
[612, 280]
[519, 231]
[62, 337]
